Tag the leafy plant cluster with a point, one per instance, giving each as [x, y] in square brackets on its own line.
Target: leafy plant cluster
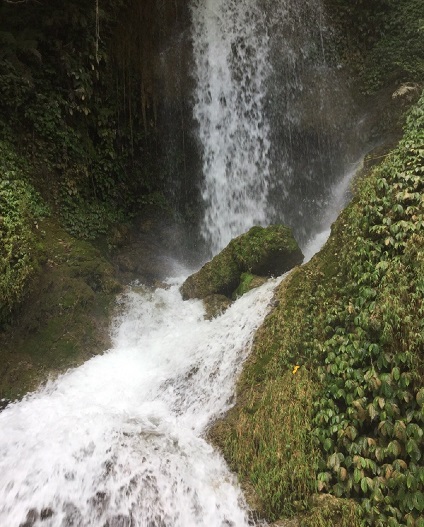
[21, 207]
[369, 419]
[333, 391]
[62, 99]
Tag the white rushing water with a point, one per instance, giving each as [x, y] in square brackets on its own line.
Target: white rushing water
[231, 57]
[118, 442]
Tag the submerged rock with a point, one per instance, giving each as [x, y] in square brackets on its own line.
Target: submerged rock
[262, 251]
[248, 282]
[215, 305]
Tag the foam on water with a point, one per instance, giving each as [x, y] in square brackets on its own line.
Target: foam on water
[118, 441]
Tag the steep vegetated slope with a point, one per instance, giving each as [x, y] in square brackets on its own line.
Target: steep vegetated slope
[332, 399]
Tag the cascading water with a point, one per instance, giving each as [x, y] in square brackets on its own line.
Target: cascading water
[119, 441]
[231, 55]
[274, 115]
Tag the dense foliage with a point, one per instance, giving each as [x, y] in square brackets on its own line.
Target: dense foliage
[78, 122]
[369, 419]
[333, 399]
[20, 209]
[70, 98]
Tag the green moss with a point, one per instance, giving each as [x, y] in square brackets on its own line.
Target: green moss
[268, 442]
[327, 511]
[219, 276]
[20, 212]
[262, 251]
[64, 319]
[248, 282]
[243, 287]
[215, 305]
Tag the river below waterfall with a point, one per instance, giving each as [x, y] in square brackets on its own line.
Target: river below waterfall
[118, 442]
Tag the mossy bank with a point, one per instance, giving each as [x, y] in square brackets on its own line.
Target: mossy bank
[63, 314]
[332, 398]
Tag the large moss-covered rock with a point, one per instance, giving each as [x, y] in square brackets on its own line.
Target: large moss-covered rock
[219, 276]
[262, 251]
[64, 319]
[266, 251]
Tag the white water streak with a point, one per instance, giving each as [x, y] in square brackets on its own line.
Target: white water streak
[231, 56]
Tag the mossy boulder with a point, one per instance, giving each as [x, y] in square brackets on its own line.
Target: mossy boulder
[267, 251]
[248, 281]
[262, 251]
[64, 318]
[220, 276]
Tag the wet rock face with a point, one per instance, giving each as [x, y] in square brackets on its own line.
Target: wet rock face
[263, 251]
[150, 249]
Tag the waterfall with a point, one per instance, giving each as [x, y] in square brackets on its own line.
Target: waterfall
[231, 56]
[119, 441]
[275, 118]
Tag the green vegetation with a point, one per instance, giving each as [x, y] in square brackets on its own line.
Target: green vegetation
[81, 149]
[275, 456]
[64, 319]
[332, 398]
[56, 292]
[21, 208]
[74, 102]
[329, 511]
[76, 97]
[248, 282]
[369, 419]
